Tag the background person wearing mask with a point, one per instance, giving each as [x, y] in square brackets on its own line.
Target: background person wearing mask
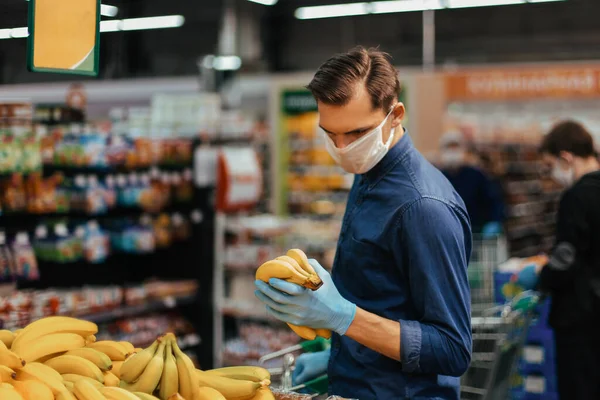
[482, 196]
[572, 274]
[398, 301]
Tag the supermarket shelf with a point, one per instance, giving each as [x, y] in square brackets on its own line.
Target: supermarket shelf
[247, 314]
[166, 303]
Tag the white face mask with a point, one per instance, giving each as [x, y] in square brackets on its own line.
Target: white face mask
[564, 177]
[452, 158]
[364, 153]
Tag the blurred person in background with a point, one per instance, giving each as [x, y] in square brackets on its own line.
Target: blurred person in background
[398, 300]
[572, 275]
[481, 194]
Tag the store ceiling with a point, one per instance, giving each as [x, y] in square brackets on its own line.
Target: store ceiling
[536, 32]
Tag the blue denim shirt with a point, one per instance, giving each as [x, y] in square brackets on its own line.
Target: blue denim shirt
[402, 254]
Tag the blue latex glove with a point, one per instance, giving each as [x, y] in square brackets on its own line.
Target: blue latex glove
[528, 277]
[491, 230]
[323, 308]
[310, 366]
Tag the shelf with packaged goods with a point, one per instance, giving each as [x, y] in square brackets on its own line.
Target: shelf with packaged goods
[166, 303]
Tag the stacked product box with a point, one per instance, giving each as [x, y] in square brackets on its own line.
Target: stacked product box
[537, 368]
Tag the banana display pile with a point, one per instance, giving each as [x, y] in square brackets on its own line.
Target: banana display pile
[58, 358]
[295, 268]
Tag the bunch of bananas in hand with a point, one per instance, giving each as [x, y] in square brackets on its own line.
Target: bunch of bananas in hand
[165, 371]
[295, 268]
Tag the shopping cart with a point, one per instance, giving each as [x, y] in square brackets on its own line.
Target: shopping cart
[281, 377]
[486, 255]
[498, 338]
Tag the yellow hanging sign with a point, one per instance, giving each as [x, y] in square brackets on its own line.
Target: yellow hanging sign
[64, 36]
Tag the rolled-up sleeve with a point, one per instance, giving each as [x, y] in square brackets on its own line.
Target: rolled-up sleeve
[433, 246]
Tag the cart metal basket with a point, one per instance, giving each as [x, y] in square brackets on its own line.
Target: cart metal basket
[498, 338]
[486, 255]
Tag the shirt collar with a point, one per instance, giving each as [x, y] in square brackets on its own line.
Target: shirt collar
[389, 160]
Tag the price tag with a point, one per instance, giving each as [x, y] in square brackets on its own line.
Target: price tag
[533, 354]
[535, 384]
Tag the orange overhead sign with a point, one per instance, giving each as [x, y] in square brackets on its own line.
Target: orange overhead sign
[64, 36]
[523, 84]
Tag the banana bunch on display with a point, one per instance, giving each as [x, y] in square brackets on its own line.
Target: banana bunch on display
[59, 358]
[295, 268]
[163, 370]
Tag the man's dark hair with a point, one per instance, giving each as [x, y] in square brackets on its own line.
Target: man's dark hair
[569, 136]
[335, 81]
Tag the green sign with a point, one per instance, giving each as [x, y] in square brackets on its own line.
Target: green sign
[298, 102]
[64, 36]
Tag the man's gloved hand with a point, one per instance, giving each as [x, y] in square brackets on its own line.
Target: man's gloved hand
[491, 230]
[310, 366]
[323, 308]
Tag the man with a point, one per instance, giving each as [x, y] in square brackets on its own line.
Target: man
[572, 274]
[398, 302]
[482, 196]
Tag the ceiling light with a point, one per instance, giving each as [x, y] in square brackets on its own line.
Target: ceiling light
[227, 63]
[394, 6]
[222, 63]
[481, 3]
[382, 7]
[265, 2]
[19, 32]
[110, 26]
[335, 10]
[115, 25]
[167, 21]
[108, 11]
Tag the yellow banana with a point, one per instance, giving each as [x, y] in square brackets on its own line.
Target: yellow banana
[294, 264]
[84, 390]
[18, 331]
[44, 369]
[115, 393]
[128, 346]
[114, 350]
[145, 396]
[176, 396]
[74, 378]
[9, 394]
[188, 383]
[283, 270]
[150, 378]
[244, 373]
[110, 379]
[100, 359]
[169, 381]
[137, 350]
[10, 359]
[75, 365]
[133, 367]
[232, 389]
[90, 339]
[66, 395]
[116, 368]
[207, 393]
[50, 344]
[302, 260]
[264, 394]
[33, 390]
[7, 337]
[71, 385]
[52, 325]
[7, 374]
[29, 372]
